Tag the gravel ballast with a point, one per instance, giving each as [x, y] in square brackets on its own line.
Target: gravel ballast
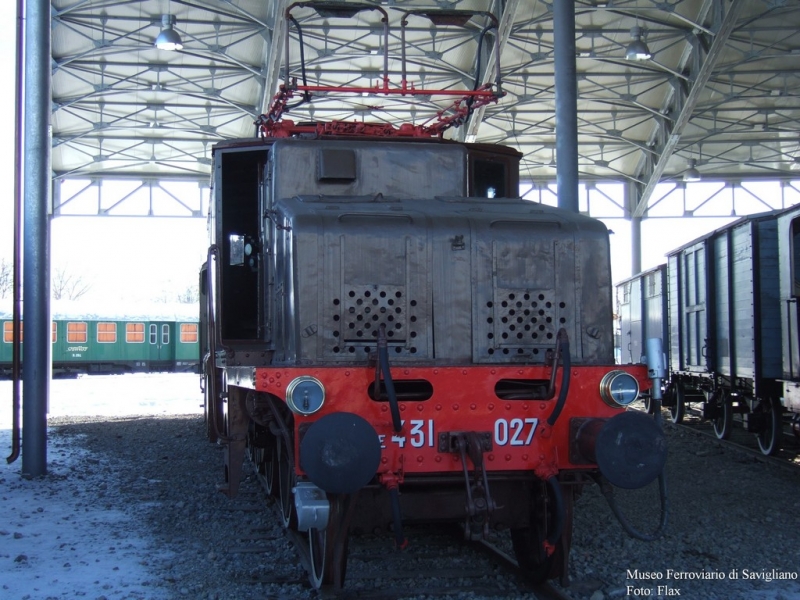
[734, 521]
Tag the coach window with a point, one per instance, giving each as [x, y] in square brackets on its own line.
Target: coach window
[8, 331]
[107, 333]
[165, 334]
[188, 333]
[795, 258]
[153, 333]
[489, 179]
[134, 333]
[76, 333]
[54, 332]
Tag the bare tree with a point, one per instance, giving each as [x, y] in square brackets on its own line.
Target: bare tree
[6, 278]
[169, 292]
[68, 286]
[191, 295]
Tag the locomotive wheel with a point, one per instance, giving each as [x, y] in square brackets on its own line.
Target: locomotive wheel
[528, 542]
[285, 494]
[648, 405]
[328, 547]
[270, 467]
[723, 424]
[678, 408]
[769, 438]
[264, 459]
[208, 406]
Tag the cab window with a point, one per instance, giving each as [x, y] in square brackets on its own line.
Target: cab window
[489, 179]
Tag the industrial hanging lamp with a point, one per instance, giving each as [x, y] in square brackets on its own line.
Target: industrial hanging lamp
[637, 49]
[692, 174]
[168, 39]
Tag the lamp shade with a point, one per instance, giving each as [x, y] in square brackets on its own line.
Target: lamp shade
[168, 39]
[692, 174]
[637, 49]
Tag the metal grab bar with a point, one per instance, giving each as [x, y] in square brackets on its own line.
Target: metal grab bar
[212, 274]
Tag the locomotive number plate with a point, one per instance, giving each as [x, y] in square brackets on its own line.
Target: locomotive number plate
[516, 432]
[422, 433]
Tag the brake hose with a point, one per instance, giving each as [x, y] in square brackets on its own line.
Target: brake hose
[558, 498]
[383, 360]
[562, 348]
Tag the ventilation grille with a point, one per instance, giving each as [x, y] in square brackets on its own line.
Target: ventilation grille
[358, 316]
[523, 321]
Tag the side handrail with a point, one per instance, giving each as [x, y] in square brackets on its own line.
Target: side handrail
[212, 273]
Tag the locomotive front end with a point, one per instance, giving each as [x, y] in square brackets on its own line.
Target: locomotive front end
[397, 349]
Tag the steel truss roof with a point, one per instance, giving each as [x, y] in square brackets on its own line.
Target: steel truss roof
[721, 89]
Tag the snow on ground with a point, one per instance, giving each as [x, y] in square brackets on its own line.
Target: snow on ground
[58, 538]
[117, 396]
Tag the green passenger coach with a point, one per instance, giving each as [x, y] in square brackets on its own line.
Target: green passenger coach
[158, 337]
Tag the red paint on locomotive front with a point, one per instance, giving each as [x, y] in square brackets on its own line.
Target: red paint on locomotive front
[463, 400]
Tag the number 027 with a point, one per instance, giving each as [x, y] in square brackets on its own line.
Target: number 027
[517, 432]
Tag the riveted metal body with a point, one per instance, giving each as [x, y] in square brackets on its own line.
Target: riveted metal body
[400, 305]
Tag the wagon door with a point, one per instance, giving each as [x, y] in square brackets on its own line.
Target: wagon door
[789, 239]
[693, 289]
[635, 349]
[622, 346]
[161, 341]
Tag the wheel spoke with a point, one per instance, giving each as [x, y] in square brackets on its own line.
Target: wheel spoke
[318, 551]
[285, 485]
[723, 424]
[269, 473]
[678, 409]
[769, 436]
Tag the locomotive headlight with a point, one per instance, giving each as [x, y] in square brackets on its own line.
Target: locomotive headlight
[619, 389]
[305, 395]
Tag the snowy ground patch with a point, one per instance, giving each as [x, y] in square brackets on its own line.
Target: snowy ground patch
[69, 534]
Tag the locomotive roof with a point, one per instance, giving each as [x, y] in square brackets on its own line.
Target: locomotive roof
[266, 142]
[505, 210]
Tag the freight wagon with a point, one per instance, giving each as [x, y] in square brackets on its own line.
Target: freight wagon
[727, 304]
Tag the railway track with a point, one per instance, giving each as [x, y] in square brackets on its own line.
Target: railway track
[436, 564]
[544, 591]
[787, 457]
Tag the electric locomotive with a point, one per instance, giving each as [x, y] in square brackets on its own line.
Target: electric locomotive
[394, 336]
